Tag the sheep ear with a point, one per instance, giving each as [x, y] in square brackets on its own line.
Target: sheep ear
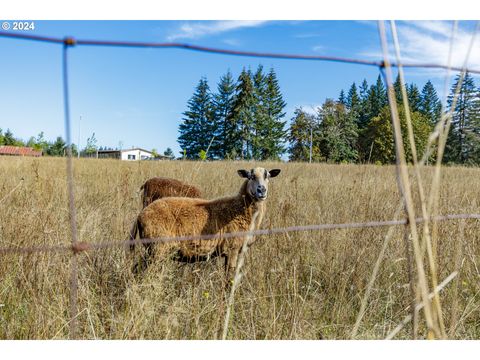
[244, 173]
[274, 172]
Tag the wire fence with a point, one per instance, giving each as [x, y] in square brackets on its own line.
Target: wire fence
[77, 247]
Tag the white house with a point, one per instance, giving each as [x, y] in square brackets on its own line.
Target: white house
[134, 154]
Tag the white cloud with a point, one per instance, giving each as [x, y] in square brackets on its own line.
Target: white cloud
[194, 30]
[429, 42]
[318, 48]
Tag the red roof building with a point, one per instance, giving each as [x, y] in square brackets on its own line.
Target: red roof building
[19, 151]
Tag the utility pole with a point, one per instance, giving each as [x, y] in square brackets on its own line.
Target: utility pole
[78, 143]
[311, 133]
[311, 140]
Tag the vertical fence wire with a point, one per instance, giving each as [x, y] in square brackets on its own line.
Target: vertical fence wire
[71, 200]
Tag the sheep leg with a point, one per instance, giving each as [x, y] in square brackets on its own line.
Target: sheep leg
[231, 264]
[145, 260]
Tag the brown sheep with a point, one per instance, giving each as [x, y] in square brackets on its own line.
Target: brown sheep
[160, 187]
[175, 216]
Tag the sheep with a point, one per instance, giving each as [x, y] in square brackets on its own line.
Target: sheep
[159, 187]
[175, 216]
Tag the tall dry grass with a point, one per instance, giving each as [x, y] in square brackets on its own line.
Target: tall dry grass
[305, 285]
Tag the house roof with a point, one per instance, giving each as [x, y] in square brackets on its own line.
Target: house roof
[137, 149]
[125, 150]
[19, 150]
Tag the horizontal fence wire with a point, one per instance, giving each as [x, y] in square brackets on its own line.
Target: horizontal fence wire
[84, 246]
[70, 41]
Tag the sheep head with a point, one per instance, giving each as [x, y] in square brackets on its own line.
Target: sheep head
[258, 178]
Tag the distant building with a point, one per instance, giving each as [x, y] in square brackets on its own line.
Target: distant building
[130, 155]
[19, 151]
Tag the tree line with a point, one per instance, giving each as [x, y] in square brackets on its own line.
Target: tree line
[58, 147]
[244, 119]
[52, 148]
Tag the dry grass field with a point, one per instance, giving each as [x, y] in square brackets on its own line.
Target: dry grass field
[303, 285]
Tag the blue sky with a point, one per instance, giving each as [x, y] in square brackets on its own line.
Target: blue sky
[136, 96]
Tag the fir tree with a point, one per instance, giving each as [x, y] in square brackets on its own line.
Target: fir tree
[57, 148]
[377, 98]
[342, 98]
[227, 129]
[244, 112]
[353, 104]
[197, 129]
[430, 105]
[260, 112]
[397, 86]
[353, 100]
[414, 98]
[8, 138]
[272, 131]
[463, 141]
[365, 110]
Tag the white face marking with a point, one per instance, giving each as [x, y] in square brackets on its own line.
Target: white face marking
[258, 183]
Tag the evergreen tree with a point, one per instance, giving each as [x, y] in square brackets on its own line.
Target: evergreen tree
[364, 105]
[198, 126]
[2, 138]
[342, 98]
[244, 112]
[227, 128]
[463, 141]
[414, 98]
[377, 98]
[272, 130]
[260, 112]
[300, 133]
[338, 133]
[397, 86]
[57, 148]
[353, 99]
[430, 105]
[8, 138]
[353, 104]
